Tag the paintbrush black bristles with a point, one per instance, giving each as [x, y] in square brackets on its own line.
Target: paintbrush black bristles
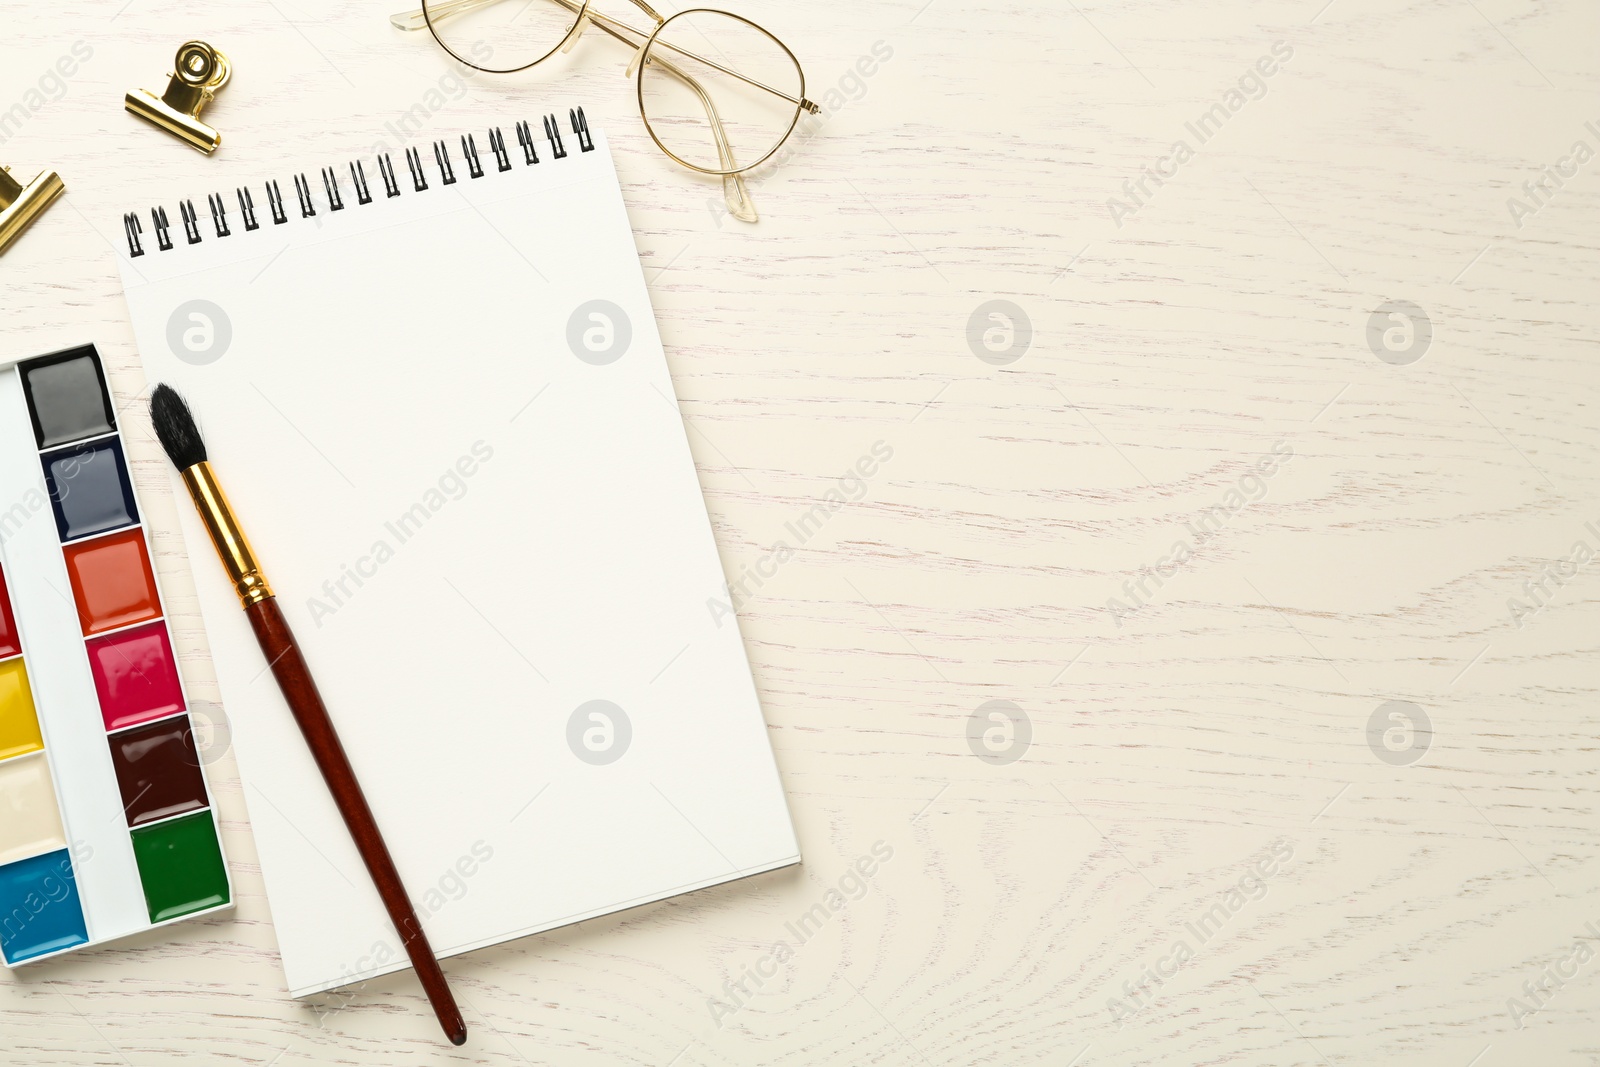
[174, 425]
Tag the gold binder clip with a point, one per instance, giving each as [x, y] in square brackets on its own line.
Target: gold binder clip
[21, 205]
[199, 72]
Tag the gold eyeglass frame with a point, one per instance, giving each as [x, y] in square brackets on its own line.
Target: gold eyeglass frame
[735, 191]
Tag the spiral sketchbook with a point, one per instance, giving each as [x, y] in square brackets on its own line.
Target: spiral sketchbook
[435, 391]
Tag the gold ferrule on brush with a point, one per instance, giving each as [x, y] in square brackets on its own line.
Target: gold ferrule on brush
[232, 545]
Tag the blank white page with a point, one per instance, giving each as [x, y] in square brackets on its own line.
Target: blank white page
[473, 532]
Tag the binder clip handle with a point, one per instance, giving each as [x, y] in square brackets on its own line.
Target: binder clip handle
[199, 72]
[201, 66]
[21, 205]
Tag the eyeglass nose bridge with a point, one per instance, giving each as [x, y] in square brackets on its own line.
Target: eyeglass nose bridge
[585, 19]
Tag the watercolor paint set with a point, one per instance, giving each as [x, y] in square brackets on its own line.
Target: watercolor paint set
[107, 826]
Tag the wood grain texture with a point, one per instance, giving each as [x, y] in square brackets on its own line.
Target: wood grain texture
[1226, 315]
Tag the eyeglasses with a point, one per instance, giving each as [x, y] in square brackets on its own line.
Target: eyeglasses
[724, 115]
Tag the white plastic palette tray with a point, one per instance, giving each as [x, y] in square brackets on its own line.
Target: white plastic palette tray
[106, 821]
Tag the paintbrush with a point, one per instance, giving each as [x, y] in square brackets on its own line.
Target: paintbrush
[175, 426]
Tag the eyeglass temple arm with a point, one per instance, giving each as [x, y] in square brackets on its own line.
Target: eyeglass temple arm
[734, 191]
[416, 20]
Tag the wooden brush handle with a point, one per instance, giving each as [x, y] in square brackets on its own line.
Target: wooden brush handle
[294, 678]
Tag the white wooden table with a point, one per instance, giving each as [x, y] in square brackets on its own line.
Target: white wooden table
[1043, 876]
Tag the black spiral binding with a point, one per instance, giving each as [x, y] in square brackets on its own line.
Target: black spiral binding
[552, 130]
[219, 214]
[130, 225]
[163, 238]
[275, 202]
[247, 209]
[419, 178]
[191, 223]
[358, 178]
[133, 229]
[386, 168]
[441, 155]
[497, 143]
[302, 193]
[580, 126]
[525, 139]
[330, 183]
